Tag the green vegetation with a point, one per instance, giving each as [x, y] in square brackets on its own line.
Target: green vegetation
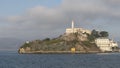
[52, 41]
[96, 34]
[104, 34]
[25, 45]
[46, 39]
[88, 43]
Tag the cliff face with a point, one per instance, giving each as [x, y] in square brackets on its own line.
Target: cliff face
[79, 42]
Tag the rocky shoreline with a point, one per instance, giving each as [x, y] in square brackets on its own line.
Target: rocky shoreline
[66, 52]
[59, 52]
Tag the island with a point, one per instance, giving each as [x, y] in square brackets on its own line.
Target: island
[74, 40]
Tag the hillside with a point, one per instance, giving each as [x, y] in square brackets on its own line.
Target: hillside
[77, 42]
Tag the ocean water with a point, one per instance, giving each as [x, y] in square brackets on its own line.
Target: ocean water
[14, 60]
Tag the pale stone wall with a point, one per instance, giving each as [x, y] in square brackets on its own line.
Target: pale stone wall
[102, 42]
[75, 30]
[105, 44]
[105, 48]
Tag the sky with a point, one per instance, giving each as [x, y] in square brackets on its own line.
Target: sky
[38, 19]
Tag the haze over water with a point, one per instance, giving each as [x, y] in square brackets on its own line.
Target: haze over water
[14, 60]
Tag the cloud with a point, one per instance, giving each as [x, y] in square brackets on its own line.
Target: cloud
[94, 8]
[40, 22]
[37, 21]
[112, 2]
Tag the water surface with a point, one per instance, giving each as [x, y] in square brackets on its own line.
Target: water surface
[14, 60]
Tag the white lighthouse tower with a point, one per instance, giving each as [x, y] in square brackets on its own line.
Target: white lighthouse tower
[75, 30]
[72, 26]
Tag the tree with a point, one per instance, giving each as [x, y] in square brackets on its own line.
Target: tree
[104, 34]
[46, 39]
[91, 38]
[95, 33]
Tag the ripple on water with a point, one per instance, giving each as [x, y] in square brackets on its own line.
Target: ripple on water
[15, 60]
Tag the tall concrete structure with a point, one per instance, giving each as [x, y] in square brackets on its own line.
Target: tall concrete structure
[75, 30]
[72, 26]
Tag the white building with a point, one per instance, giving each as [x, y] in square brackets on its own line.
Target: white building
[27, 42]
[113, 44]
[22, 50]
[75, 30]
[105, 44]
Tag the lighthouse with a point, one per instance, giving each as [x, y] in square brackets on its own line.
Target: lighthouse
[72, 26]
[73, 29]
